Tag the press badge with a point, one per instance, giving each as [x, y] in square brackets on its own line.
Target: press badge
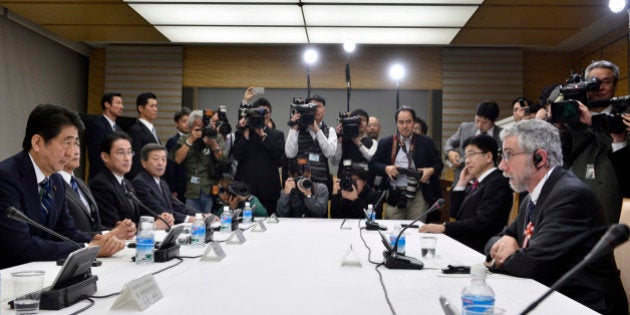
[195, 180]
[313, 157]
[590, 171]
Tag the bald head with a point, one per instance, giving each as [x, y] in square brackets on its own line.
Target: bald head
[373, 128]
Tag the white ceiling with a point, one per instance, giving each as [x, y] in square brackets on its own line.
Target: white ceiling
[427, 22]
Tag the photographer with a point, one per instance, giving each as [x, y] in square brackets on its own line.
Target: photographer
[402, 157]
[352, 143]
[234, 194]
[302, 197]
[201, 153]
[259, 149]
[316, 141]
[351, 195]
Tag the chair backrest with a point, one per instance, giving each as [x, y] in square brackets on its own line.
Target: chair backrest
[622, 252]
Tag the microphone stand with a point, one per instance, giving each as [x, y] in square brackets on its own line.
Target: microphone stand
[393, 260]
[371, 225]
[617, 234]
[348, 84]
[18, 215]
[137, 201]
[308, 81]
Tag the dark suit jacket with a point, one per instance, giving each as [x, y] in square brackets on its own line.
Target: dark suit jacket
[113, 204]
[482, 213]
[95, 133]
[175, 175]
[159, 201]
[568, 221]
[140, 135]
[20, 243]
[258, 163]
[425, 155]
[87, 220]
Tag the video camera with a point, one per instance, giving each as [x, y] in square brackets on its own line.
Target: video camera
[611, 122]
[306, 111]
[222, 125]
[349, 125]
[255, 117]
[565, 109]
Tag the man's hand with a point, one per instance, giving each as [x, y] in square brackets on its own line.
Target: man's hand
[339, 130]
[336, 186]
[503, 249]
[427, 172]
[233, 201]
[249, 94]
[391, 171]
[294, 118]
[350, 195]
[124, 229]
[289, 184]
[261, 133]
[159, 225]
[246, 133]
[195, 134]
[464, 178]
[454, 157]
[585, 114]
[306, 192]
[432, 228]
[109, 244]
[314, 126]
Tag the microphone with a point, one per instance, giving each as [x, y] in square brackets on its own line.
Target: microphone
[371, 225]
[137, 201]
[393, 260]
[179, 202]
[18, 215]
[616, 235]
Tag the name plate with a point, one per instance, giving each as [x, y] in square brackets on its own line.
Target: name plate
[351, 259]
[259, 227]
[214, 252]
[237, 237]
[273, 218]
[139, 294]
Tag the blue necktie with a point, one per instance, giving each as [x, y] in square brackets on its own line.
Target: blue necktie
[45, 197]
[75, 187]
[530, 210]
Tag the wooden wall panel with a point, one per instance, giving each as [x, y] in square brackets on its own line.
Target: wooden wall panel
[96, 80]
[282, 66]
[544, 69]
[471, 75]
[133, 69]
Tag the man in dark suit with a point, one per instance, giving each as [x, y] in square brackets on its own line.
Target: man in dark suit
[111, 189]
[408, 196]
[482, 199]
[486, 114]
[83, 207]
[143, 131]
[258, 150]
[152, 191]
[28, 182]
[558, 223]
[175, 174]
[112, 105]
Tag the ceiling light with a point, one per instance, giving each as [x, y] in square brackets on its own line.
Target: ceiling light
[396, 72]
[349, 46]
[617, 5]
[372, 35]
[227, 34]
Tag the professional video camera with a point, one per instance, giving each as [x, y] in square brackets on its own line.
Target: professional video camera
[349, 125]
[611, 122]
[255, 117]
[222, 125]
[306, 111]
[565, 109]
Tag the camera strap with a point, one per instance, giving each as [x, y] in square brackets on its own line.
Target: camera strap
[395, 144]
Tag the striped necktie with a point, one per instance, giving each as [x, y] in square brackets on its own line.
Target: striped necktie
[45, 198]
[75, 187]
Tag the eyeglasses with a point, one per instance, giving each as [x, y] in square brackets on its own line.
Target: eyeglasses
[471, 154]
[122, 154]
[507, 155]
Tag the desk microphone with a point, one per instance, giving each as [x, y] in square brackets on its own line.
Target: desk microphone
[616, 235]
[189, 208]
[371, 225]
[393, 260]
[130, 194]
[18, 215]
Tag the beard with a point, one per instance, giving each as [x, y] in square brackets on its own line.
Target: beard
[519, 183]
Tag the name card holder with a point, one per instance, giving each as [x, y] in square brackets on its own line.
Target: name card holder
[214, 252]
[138, 294]
[351, 259]
[259, 227]
[237, 237]
[273, 218]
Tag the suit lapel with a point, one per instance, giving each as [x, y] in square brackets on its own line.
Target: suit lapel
[29, 181]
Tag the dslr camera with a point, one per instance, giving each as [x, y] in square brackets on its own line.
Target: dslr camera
[222, 125]
[346, 183]
[306, 111]
[413, 177]
[349, 126]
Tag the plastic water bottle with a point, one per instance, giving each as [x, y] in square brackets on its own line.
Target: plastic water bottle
[478, 292]
[198, 231]
[247, 213]
[145, 241]
[371, 216]
[401, 241]
[226, 220]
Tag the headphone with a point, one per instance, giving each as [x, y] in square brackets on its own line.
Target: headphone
[537, 159]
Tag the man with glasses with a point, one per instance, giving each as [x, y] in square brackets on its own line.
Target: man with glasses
[110, 188]
[481, 200]
[29, 183]
[558, 223]
[521, 109]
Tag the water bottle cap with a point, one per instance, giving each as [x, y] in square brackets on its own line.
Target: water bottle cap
[370, 207]
[247, 204]
[198, 216]
[226, 208]
[478, 272]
